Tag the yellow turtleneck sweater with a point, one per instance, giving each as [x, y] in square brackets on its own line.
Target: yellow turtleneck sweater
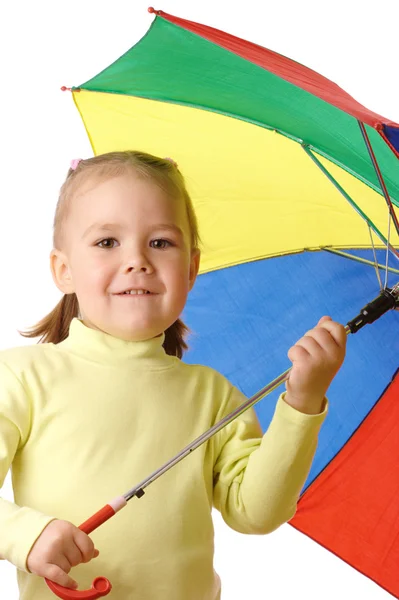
[83, 421]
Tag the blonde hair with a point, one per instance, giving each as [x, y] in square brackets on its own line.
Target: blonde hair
[54, 328]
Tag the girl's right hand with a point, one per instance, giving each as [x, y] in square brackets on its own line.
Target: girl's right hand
[60, 547]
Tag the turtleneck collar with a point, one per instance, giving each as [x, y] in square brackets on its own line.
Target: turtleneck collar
[101, 347]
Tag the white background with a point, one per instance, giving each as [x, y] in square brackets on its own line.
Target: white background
[45, 45]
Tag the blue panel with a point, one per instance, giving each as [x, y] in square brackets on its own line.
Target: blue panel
[245, 318]
[392, 134]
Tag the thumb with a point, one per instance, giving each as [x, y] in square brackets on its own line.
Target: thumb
[59, 576]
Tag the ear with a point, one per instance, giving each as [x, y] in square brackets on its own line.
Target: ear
[60, 271]
[194, 267]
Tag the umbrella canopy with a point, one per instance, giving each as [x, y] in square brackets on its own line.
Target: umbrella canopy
[293, 220]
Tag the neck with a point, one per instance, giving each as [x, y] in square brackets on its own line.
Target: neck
[99, 346]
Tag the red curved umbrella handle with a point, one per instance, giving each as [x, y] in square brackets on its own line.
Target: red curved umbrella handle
[100, 586]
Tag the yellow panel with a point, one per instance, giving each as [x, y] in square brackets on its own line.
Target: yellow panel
[256, 193]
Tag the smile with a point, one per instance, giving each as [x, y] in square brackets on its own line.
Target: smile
[134, 293]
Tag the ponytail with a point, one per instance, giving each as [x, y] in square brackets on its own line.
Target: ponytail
[175, 344]
[54, 328]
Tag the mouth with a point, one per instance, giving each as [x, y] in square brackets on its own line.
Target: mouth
[134, 292]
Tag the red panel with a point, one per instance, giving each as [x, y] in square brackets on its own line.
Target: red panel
[352, 508]
[285, 68]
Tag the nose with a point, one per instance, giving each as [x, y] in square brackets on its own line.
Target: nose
[138, 262]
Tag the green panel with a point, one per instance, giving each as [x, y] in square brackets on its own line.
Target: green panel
[175, 65]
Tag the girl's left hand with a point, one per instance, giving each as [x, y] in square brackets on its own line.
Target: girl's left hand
[316, 358]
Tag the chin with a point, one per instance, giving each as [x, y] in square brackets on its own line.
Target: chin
[139, 334]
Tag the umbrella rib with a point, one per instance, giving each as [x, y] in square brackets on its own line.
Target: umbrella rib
[262, 257]
[391, 212]
[358, 259]
[379, 175]
[376, 265]
[387, 253]
[350, 200]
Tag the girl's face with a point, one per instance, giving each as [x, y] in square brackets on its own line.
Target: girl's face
[126, 234]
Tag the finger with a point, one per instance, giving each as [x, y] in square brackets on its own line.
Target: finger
[324, 320]
[63, 563]
[337, 332]
[73, 555]
[85, 545]
[324, 339]
[303, 349]
[56, 574]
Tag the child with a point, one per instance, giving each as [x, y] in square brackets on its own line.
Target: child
[105, 400]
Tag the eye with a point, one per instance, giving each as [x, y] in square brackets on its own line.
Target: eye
[160, 244]
[106, 240]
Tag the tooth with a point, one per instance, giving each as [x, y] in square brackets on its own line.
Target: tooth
[135, 292]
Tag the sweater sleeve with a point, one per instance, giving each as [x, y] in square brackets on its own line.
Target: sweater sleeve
[258, 480]
[20, 526]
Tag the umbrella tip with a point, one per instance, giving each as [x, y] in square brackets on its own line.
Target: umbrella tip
[151, 10]
[67, 89]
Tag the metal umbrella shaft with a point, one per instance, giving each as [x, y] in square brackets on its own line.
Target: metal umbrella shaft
[385, 301]
[138, 489]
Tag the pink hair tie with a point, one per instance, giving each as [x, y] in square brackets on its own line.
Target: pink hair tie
[74, 163]
[171, 160]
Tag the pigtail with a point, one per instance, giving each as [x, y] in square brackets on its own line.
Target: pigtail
[175, 344]
[54, 328]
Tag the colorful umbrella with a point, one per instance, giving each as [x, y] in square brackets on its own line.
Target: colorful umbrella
[295, 185]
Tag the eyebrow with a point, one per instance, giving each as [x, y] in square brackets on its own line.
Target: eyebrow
[116, 226]
[100, 227]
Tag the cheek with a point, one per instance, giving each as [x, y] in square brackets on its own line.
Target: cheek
[92, 272]
[182, 279]
[181, 269]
